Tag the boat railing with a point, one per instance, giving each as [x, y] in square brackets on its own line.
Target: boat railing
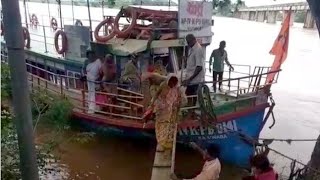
[255, 85]
[240, 70]
[129, 104]
[123, 104]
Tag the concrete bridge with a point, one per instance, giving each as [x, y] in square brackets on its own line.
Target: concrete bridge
[269, 13]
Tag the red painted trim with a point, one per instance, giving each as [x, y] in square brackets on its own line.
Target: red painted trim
[126, 123]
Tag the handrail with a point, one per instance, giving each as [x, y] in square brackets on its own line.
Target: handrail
[84, 100]
[244, 77]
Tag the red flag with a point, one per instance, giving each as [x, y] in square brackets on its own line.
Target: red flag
[280, 47]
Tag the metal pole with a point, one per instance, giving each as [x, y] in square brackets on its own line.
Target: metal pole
[20, 93]
[60, 13]
[72, 12]
[45, 39]
[25, 13]
[102, 5]
[48, 9]
[90, 23]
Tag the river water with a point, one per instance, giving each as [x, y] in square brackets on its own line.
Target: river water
[297, 110]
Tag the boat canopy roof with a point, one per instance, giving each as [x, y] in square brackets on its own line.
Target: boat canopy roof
[125, 47]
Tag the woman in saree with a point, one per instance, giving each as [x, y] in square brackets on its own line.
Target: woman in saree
[166, 103]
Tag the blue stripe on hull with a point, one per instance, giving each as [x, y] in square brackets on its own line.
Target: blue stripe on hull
[233, 149]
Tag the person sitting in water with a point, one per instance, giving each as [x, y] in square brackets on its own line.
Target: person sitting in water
[261, 169]
[211, 168]
[131, 74]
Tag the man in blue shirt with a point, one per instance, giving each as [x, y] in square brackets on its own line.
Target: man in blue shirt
[219, 56]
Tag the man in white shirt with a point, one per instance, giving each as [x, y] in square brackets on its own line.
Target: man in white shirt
[93, 69]
[195, 66]
[211, 168]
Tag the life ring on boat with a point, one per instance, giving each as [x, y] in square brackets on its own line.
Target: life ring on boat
[78, 22]
[34, 20]
[26, 37]
[64, 46]
[124, 12]
[54, 24]
[108, 22]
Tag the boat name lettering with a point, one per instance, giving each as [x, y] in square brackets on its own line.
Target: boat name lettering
[195, 8]
[220, 130]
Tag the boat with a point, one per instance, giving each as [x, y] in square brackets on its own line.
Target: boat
[237, 115]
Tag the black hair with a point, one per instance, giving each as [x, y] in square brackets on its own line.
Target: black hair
[214, 151]
[224, 42]
[261, 162]
[173, 79]
[190, 37]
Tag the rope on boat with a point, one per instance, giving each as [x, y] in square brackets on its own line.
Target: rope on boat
[207, 107]
[270, 140]
[294, 160]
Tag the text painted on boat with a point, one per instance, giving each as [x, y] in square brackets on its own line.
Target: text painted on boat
[204, 133]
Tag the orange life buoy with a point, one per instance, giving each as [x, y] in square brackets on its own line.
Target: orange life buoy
[26, 37]
[54, 23]
[108, 22]
[64, 47]
[34, 20]
[124, 12]
[78, 22]
[109, 26]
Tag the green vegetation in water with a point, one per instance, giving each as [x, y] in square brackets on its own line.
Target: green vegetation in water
[47, 109]
[5, 81]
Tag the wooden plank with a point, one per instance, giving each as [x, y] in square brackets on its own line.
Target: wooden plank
[161, 168]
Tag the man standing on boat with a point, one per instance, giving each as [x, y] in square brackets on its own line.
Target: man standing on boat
[130, 74]
[219, 56]
[195, 65]
[92, 71]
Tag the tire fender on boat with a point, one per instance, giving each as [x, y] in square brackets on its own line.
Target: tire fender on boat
[34, 20]
[54, 23]
[26, 37]
[78, 22]
[108, 22]
[63, 49]
[124, 12]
